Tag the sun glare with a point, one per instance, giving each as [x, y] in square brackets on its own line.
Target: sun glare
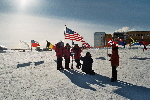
[26, 3]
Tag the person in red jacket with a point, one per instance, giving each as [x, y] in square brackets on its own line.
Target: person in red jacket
[114, 62]
[77, 50]
[67, 55]
[59, 53]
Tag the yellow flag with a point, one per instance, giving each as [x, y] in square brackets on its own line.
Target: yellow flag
[51, 46]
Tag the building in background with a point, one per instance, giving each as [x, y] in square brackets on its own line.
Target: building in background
[136, 35]
[99, 39]
[119, 35]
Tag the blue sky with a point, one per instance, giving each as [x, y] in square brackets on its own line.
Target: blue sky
[43, 20]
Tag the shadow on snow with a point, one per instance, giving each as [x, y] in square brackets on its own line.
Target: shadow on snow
[28, 64]
[125, 89]
[140, 58]
[102, 58]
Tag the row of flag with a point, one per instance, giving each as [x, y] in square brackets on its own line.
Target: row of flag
[110, 42]
[121, 42]
[72, 35]
[35, 44]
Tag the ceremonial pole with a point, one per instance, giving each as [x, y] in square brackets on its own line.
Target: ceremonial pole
[107, 48]
[31, 46]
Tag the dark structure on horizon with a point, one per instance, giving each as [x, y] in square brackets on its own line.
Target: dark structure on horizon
[136, 35]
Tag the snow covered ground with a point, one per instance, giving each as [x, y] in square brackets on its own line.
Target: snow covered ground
[33, 76]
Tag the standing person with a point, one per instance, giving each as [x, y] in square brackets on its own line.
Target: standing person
[59, 53]
[67, 55]
[77, 50]
[114, 62]
[87, 64]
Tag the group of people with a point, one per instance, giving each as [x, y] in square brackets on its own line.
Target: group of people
[66, 52]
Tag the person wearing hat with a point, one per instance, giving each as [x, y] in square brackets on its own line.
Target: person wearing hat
[87, 64]
[67, 55]
[77, 53]
[114, 62]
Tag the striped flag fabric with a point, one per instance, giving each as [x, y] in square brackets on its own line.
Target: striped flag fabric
[66, 33]
[69, 34]
[49, 45]
[85, 45]
[34, 43]
[110, 42]
[82, 41]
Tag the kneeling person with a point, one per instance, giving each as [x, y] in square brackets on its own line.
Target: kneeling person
[87, 64]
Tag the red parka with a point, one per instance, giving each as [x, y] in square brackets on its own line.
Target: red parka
[66, 52]
[77, 51]
[114, 56]
[59, 50]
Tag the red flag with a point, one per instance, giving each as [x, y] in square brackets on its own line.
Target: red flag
[34, 43]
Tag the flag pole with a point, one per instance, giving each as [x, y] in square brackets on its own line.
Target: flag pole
[107, 47]
[31, 46]
[46, 44]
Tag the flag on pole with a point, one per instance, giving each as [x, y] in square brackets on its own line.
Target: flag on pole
[82, 41]
[34, 43]
[48, 44]
[85, 45]
[24, 45]
[132, 40]
[121, 42]
[110, 42]
[52, 46]
[69, 34]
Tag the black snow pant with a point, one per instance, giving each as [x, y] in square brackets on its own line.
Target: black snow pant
[78, 63]
[67, 61]
[59, 63]
[114, 74]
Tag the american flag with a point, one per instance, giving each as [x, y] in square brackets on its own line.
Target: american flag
[82, 41]
[69, 34]
[85, 45]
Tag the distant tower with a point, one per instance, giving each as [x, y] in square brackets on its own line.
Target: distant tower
[99, 39]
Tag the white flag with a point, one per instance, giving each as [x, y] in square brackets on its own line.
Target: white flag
[24, 45]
